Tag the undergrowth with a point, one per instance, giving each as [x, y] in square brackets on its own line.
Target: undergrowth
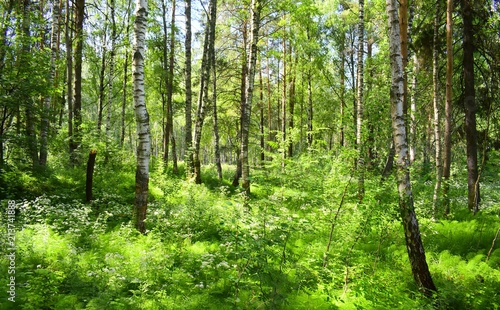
[300, 241]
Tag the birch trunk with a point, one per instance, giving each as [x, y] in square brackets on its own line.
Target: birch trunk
[110, 77]
[141, 115]
[203, 95]
[188, 138]
[437, 129]
[247, 108]
[413, 240]
[69, 70]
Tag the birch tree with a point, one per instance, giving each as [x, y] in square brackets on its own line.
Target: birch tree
[413, 239]
[255, 10]
[437, 129]
[141, 115]
[189, 96]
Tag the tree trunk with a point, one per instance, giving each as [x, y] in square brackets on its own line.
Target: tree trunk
[261, 122]
[359, 107]
[110, 78]
[102, 73]
[470, 107]
[90, 175]
[69, 71]
[218, 163]
[256, 7]
[76, 140]
[46, 111]
[170, 90]
[283, 102]
[448, 106]
[310, 135]
[28, 101]
[291, 100]
[244, 74]
[188, 138]
[413, 110]
[125, 79]
[204, 82]
[437, 129]
[414, 244]
[142, 117]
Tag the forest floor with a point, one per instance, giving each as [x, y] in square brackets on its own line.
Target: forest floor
[300, 241]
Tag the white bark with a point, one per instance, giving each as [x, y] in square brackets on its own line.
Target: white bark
[141, 114]
[247, 108]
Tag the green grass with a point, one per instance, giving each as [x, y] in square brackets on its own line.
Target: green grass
[210, 247]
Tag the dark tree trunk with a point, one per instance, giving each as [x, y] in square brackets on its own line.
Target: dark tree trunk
[90, 174]
[470, 107]
[77, 104]
[244, 72]
[448, 106]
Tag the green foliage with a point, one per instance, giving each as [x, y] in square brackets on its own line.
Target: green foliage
[211, 247]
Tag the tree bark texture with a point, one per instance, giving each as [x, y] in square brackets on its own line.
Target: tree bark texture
[436, 108]
[141, 115]
[76, 141]
[413, 239]
[203, 95]
[470, 107]
[188, 138]
[90, 175]
[448, 106]
[359, 103]
[256, 7]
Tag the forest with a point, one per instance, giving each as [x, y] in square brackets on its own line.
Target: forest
[255, 154]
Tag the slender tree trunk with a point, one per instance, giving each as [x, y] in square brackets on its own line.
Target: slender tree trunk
[142, 116]
[24, 65]
[170, 90]
[44, 129]
[111, 74]
[437, 129]
[204, 82]
[77, 104]
[256, 7]
[342, 91]
[261, 123]
[69, 71]
[218, 163]
[310, 135]
[291, 101]
[125, 78]
[283, 101]
[166, 72]
[102, 73]
[189, 97]
[403, 28]
[90, 175]
[448, 106]
[413, 110]
[414, 244]
[359, 108]
[470, 107]
[244, 74]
